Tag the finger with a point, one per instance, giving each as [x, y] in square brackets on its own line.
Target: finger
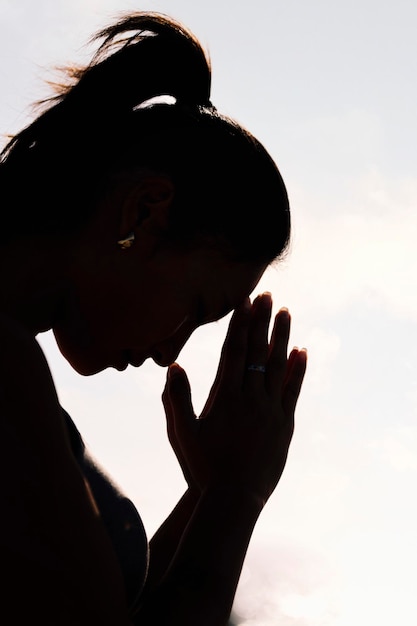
[277, 358]
[290, 364]
[170, 419]
[294, 380]
[169, 415]
[258, 341]
[233, 355]
[177, 402]
[234, 351]
[176, 439]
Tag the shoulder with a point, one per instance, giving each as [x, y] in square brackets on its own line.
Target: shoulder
[51, 533]
[31, 423]
[28, 401]
[18, 347]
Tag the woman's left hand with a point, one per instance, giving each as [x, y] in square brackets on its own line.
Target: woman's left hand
[242, 437]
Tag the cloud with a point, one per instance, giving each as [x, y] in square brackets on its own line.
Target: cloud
[363, 253]
[397, 447]
[287, 583]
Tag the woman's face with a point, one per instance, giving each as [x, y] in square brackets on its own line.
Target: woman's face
[135, 306]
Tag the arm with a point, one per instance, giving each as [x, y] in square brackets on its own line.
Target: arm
[165, 541]
[200, 584]
[58, 562]
[234, 454]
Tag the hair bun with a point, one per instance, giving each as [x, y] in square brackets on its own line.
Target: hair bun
[146, 55]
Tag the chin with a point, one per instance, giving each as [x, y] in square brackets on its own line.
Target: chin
[84, 368]
[84, 362]
[86, 371]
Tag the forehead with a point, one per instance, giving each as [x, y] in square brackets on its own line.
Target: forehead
[221, 284]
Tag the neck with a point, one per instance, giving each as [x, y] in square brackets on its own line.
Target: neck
[32, 284]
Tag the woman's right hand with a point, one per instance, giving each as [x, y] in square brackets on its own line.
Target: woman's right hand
[242, 437]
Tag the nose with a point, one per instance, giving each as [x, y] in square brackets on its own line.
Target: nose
[168, 350]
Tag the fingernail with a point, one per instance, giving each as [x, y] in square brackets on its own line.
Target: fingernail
[265, 298]
[174, 370]
[283, 315]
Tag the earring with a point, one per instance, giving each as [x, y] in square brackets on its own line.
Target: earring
[127, 242]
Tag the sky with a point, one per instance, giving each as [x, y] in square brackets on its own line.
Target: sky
[330, 89]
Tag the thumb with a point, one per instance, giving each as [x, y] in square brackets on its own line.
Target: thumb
[178, 393]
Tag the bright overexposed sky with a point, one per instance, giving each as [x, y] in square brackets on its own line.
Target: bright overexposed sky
[330, 88]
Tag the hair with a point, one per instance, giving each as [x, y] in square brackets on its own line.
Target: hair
[107, 118]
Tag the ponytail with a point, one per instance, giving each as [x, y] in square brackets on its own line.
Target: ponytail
[101, 122]
[140, 56]
[168, 61]
[84, 124]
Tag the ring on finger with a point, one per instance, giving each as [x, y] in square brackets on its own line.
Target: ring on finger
[255, 367]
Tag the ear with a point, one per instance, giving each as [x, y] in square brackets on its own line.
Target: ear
[146, 207]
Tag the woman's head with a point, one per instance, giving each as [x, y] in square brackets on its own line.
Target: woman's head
[141, 111]
[98, 127]
[145, 301]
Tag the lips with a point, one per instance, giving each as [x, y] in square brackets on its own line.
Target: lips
[137, 362]
[121, 366]
[133, 359]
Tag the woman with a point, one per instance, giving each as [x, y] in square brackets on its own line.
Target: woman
[133, 213]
